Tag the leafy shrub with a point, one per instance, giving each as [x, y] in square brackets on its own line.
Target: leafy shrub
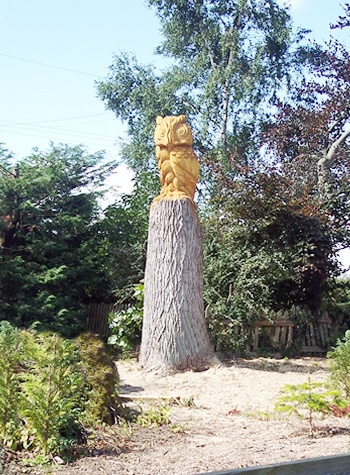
[126, 325]
[102, 380]
[11, 354]
[339, 364]
[50, 390]
[308, 399]
[337, 304]
[49, 387]
[154, 417]
[40, 385]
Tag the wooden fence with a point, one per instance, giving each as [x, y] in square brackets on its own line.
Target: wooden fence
[315, 338]
[97, 317]
[280, 333]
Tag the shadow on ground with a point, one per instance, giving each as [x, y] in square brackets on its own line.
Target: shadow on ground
[297, 365]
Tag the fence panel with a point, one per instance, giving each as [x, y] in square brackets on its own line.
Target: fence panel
[280, 332]
[97, 317]
[317, 335]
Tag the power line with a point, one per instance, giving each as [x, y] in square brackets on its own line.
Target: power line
[49, 65]
[62, 120]
[43, 128]
[94, 122]
[93, 142]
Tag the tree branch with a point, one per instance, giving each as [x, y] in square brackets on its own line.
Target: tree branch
[335, 145]
[342, 118]
[323, 163]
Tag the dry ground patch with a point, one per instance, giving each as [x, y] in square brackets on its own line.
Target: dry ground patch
[221, 418]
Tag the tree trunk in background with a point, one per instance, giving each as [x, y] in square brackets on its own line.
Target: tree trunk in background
[174, 334]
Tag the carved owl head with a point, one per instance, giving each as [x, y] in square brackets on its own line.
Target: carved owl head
[171, 131]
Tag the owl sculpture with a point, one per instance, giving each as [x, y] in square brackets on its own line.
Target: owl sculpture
[177, 163]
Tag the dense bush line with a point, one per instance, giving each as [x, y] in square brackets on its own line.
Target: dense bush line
[51, 388]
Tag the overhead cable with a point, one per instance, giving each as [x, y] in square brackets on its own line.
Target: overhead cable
[49, 65]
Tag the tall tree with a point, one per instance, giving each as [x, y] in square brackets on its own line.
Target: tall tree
[50, 254]
[229, 57]
[228, 60]
[311, 137]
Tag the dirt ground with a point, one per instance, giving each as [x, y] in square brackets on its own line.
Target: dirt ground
[220, 419]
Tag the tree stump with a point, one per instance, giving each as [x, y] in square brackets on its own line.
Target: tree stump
[174, 334]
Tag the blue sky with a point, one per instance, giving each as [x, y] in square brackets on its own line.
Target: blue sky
[52, 51]
[41, 103]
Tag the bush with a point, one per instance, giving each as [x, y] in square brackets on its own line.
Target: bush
[125, 326]
[49, 387]
[339, 364]
[40, 388]
[101, 378]
[11, 350]
[308, 399]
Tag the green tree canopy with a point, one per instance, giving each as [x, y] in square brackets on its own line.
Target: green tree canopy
[124, 232]
[51, 258]
[228, 60]
[230, 67]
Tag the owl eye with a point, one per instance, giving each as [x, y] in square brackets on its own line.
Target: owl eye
[182, 130]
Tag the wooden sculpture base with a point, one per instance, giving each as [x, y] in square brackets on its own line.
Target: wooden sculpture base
[174, 335]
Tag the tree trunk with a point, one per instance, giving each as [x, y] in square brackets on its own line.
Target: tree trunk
[174, 334]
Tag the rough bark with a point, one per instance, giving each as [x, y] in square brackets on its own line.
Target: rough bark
[174, 334]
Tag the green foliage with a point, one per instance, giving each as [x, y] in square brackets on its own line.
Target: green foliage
[262, 254]
[124, 234]
[126, 325]
[339, 365]
[11, 350]
[43, 386]
[51, 260]
[228, 60]
[306, 400]
[137, 95]
[51, 388]
[102, 381]
[154, 416]
[337, 303]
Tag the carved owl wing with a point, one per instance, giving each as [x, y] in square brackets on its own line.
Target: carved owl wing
[185, 167]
